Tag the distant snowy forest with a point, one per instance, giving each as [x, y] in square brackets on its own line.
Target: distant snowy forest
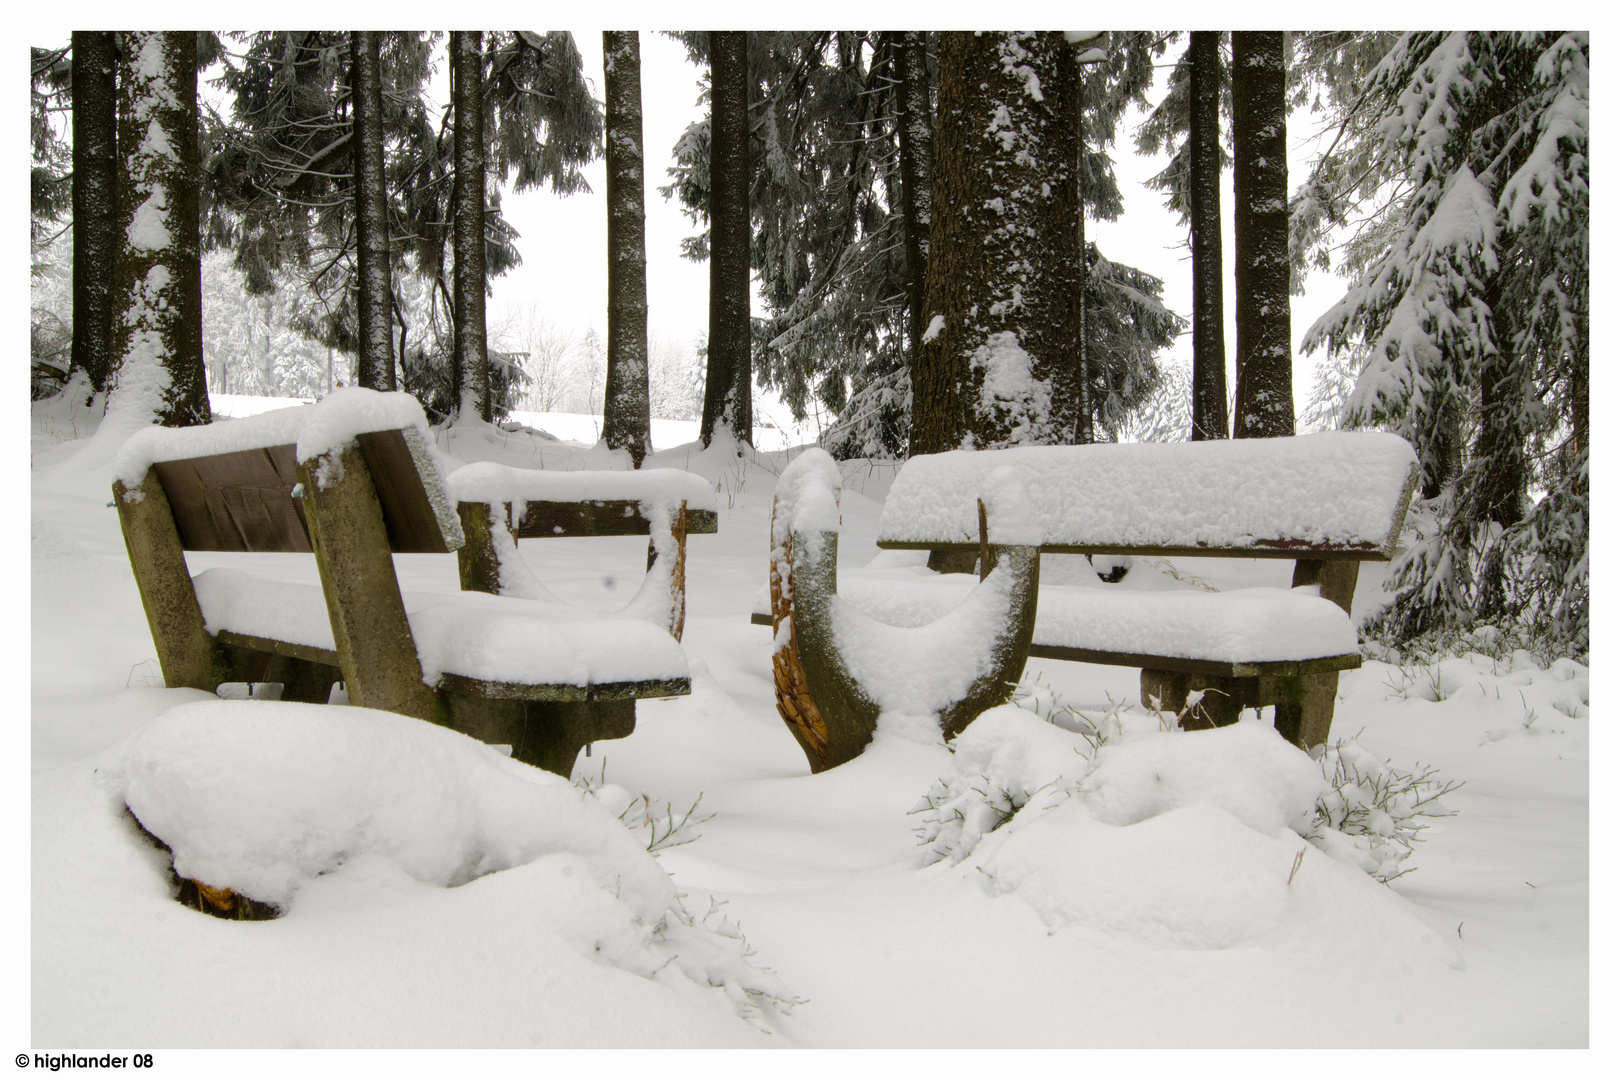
[911, 207]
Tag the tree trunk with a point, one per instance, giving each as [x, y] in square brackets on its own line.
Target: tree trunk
[470, 366]
[728, 391]
[916, 123]
[997, 367]
[1265, 366]
[95, 201]
[626, 418]
[157, 344]
[374, 360]
[1209, 320]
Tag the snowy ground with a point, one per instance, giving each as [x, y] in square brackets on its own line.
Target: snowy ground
[1154, 894]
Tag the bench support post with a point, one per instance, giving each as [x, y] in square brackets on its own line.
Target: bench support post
[1307, 717]
[187, 653]
[546, 734]
[369, 627]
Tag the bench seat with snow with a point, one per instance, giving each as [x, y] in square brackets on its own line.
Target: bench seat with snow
[353, 481]
[1328, 502]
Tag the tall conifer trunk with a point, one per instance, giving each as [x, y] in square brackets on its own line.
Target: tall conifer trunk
[626, 422]
[471, 362]
[1265, 372]
[997, 367]
[157, 339]
[1209, 320]
[916, 122]
[95, 201]
[728, 390]
[375, 359]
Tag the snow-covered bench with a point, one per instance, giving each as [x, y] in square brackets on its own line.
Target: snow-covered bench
[353, 480]
[1327, 501]
[665, 505]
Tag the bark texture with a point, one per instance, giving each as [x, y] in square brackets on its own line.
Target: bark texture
[157, 342]
[728, 389]
[375, 361]
[1264, 405]
[626, 413]
[95, 201]
[916, 153]
[997, 366]
[1209, 321]
[471, 366]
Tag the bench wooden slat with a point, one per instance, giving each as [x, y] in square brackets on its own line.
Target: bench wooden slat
[600, 517]
[413, 527]
[313, 653]
[1229, 669]
[240, 501]
[607, 691]
[1262, 549]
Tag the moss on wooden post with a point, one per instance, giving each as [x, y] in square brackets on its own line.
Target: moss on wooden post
[187, 653]
[369, 626]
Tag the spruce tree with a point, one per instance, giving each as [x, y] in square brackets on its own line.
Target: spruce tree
[95, 200]
[374, 289]
[1264, 399]
[626, 417]
[470, 366]
[1004, 272]
[1477, 311]
[1204, 218]
[157, 344]
[728, 391]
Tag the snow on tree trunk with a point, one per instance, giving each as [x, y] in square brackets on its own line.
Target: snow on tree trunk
[157, 341]
[375, 362]
[728, 392]
[626, 421]
[471, 363]
[1209, 320]
[95, 201]
[997, 364]
[1264, 405]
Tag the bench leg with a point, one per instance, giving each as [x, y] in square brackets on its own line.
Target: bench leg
[1306, 720]
[1224, 698]
[546, 734]
[301, 680]
[556, 731]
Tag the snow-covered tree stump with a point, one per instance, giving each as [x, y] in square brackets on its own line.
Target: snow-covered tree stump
[836, 670]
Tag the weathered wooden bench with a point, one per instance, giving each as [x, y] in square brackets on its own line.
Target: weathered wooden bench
[1326, 501]
[352, 481]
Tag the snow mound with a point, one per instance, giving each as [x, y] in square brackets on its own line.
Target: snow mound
[1184, 840]
[264, 797]
[1245, 769]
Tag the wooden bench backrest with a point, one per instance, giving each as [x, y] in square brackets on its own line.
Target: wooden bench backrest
[243, 500]
[1342, 495]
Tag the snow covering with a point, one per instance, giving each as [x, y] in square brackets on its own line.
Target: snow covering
[487, 482]
[1238, 625]
[473, 634]
[807, 495]
[1199, 924]
[1333, 487]
[316, 429]
[265, 798]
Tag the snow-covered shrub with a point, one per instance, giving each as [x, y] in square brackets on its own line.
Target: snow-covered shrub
[1369, 814]
[263, 798]
[1002, 759]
